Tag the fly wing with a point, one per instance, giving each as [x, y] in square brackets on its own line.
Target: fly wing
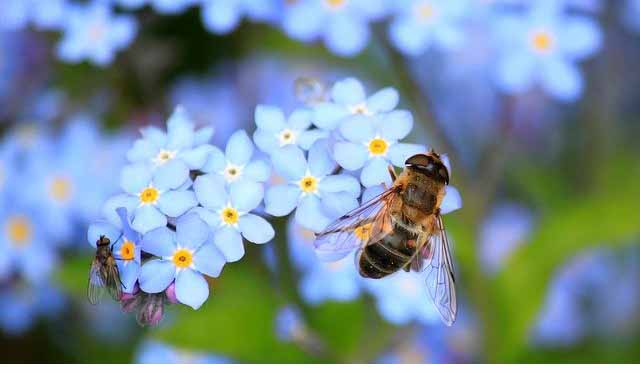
[96, 287]
[356, 229]
[435, 258]
[113, 282]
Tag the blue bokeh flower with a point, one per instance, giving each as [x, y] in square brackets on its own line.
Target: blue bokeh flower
[402, 298]
[342, 24]
[17, 14]
[173, 154]
[152, 352]
[321, 281]
[126, 247]
[22, 305]
[349, 100]
[421, 24]
[275, 131]
[543, 46]
[150, 199]
[372, 144]
[184, 256]
[630, 14]
[92, 32]
[311, 189]
[227, 210]
[222, 16]
[236, 164]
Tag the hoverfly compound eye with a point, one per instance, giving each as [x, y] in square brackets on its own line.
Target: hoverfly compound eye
[418, 160]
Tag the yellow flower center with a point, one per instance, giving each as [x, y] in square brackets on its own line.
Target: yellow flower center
[378, 147]
[60, 189]
[149, 195]
[363, 232]
[287, 137]
[127, 250]
[309, 184]
[360, 109]
[424, 11]
[19, 231]
[335, 4]
[542, 41]
[182, 258]
[229, 215]
[164, 156]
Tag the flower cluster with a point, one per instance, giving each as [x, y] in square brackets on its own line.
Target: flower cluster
[532, 43]
[187, 206]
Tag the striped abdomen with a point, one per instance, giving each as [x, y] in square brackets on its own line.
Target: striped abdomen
[389, 254]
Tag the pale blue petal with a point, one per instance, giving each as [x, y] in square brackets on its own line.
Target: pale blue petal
[408, 37]
[375, 172]
[350, 156]
[309, 214]
[129, 272]
[399, 153]
[156, 275]
[176, 202]
[256, 229]
[147, 218]
[371, 193]
[347, 36]
[396, 125]
[209, 260]
[446, 162]
[111, 206]
[170, 175]
[580, 37]
[340, 183]
[320, 161]
[191, 288]
[155, 135]
[125, 222]
[516, 72]
[358, 128]
[452, 200]
[265, 140]
[562, 79]
[258, 171]
[307, 138]
[348, 91]
[220, 16]
[280, 200]
[211, 191]
[180, 132]
[203, 136]
[336, 205]
[289, 162]
[246, 195]
[384, 100]
[142, 151]
[191, 231]
[216, 161]
[239, 148]
[102, 229]
[300, 119]
[134, 178]
[197, 157]
[270, 118]
[211, 218]
[229, 241]
[327, 115]
[159, 242]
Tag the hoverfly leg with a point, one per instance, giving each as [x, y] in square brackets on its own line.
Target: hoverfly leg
[392, 172]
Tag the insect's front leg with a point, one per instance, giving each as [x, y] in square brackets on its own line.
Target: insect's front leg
[392, 172]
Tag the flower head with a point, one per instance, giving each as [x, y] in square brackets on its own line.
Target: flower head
[275, 131]
[311, 189]
[222, 16]
[227, 210]
[184, 256]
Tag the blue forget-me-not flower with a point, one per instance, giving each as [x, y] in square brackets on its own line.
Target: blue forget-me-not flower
[237, 163]
[93, 32]
[184, 256]
[421, 24]
[543, 46]
[222, 16]
[348, 100]
[173, 154]
[275, 131]
[310, 188]
[227, 210]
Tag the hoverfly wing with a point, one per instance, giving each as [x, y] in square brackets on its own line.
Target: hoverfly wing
[95, 288]
[364, 225]
[435, 259]
[113, 282]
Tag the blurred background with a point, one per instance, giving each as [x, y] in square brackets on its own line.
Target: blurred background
[536, 103]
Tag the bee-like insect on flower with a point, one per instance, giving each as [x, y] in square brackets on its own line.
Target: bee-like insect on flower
[401, 228]
[104, 274]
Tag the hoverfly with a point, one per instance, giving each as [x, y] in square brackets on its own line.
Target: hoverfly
[401, 228]
[104, 273]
